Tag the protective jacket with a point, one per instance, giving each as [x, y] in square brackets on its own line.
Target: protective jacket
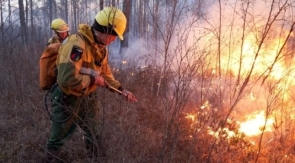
[80, 52]
[53, 39]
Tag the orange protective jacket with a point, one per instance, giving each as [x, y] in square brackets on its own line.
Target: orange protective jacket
[81, 52]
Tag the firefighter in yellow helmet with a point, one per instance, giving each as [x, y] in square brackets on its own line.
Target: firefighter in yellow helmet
[83, 67]
[61, 30]
[47, 77]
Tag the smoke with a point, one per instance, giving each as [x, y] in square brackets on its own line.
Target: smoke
[234, 30]
[137, 54]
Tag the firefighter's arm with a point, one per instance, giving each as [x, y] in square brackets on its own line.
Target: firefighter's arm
[109, 77]
[110, 80]
[69, 64]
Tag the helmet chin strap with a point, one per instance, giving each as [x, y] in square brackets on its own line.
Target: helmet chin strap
[95, 36]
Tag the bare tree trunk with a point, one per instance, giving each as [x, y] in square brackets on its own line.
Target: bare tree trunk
[155, 21]
[23, 31]
[32, 20]
[155, 33]
[169, 32]
[2, 28]
[27, 12]
[66, 11]
[50, 10]
[86, 10]
[54, 9]
[74, 9]
[126, 10]
[136, 19]
[101, 4]
[219, 51]
[9, 12]
[23, 28]
[141, 19]
[145, 20]
[114, 3]
[1, 15]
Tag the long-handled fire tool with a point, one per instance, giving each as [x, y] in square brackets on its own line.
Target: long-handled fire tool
[92, 72]
[116, 90]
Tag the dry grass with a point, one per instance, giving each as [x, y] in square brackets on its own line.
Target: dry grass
[133, 133]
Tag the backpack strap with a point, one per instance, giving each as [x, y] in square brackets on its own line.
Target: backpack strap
[84, 38]
[98, 63]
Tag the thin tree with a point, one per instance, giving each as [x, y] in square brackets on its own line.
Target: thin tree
[127, 7]
[75, 9]
[66, 11]
[27, 12]
[50, 9]
[1, 15]
[9, 11]
[101, 3]
[32, 27]
[2, 26]
[23, 28]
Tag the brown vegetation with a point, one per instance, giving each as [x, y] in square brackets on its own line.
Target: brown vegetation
[193, 91]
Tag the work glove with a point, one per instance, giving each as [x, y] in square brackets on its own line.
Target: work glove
[100, 81]
[128, 96]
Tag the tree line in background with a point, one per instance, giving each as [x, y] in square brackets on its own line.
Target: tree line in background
[34, 17]
[25, 25]
[195, 66]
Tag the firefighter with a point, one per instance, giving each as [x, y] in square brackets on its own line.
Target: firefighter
[82, 68]
[61, 30]
[47, 75]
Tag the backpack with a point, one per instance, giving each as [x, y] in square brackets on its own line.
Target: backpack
[47, 63]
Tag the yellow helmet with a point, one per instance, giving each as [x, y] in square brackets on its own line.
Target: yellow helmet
[113, 17]
[59, 25]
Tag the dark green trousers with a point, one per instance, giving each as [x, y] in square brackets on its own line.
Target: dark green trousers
[68, 112]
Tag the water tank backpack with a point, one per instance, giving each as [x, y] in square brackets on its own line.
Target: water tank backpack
[47, 63]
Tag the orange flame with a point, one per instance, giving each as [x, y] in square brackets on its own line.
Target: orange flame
[254, 124]
[242, 58]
